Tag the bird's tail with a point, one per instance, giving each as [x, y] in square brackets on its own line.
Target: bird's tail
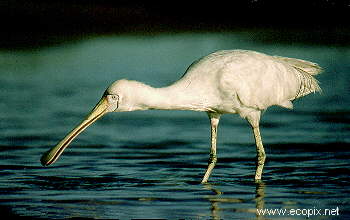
[306, 66]
[305, 71]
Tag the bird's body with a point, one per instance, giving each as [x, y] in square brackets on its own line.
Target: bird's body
[231, 81]
[225, 82]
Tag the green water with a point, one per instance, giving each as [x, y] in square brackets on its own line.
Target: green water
[149, 164]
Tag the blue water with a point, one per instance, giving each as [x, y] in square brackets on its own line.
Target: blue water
[149, 164]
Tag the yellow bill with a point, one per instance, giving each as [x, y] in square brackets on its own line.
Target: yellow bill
[54, 153]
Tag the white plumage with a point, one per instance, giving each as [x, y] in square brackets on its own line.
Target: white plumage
[228, 81]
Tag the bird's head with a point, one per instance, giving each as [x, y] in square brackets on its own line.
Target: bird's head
[126, 95]
[121, 96]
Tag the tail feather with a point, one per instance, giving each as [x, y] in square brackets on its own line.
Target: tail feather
[305, 71]
[308, 84]
[306, 66]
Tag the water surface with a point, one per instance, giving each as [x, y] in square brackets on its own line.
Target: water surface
[149, 164]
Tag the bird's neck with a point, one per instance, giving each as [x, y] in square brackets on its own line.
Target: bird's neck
[174, 97]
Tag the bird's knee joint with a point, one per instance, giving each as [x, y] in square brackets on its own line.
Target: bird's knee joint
[212, 159]
[261, 153]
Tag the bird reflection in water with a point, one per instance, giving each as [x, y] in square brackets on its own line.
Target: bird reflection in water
[217, 199]
[259, 199]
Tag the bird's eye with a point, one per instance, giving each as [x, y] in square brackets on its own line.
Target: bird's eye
[114, 97]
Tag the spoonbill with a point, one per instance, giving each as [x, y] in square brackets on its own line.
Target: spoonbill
[224, 82]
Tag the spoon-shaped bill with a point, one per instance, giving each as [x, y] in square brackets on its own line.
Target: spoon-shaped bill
[54, 153]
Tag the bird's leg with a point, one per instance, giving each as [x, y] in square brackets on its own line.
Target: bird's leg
[260, 154]
[214, 122]
[254, 119]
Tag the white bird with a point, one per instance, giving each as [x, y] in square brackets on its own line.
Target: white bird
[224, 82]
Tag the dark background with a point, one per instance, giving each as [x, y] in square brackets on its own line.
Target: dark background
[28, 23]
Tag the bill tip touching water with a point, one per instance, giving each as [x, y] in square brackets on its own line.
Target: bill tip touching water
[225, 82]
